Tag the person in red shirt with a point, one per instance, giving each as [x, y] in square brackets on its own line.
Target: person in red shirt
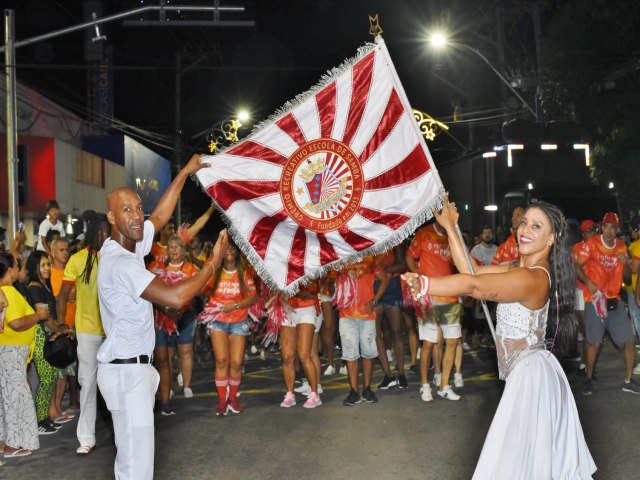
[430, 248]
[508, 251]
[226, 316]
[601, 266]
[588, 229]
[358, 327]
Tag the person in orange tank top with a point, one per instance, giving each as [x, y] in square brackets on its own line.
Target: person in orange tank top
[174, 328]
[230, 297]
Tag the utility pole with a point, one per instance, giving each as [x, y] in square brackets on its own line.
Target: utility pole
[9, 48]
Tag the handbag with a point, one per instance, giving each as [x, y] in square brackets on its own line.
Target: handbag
[62, 352]
[612, 304]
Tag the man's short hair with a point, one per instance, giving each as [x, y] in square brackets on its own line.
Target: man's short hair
[57, 240]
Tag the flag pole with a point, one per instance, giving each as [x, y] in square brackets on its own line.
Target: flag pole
[380, 42]
[485, 308]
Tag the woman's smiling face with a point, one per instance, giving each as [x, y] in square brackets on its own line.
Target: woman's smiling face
[535, 232]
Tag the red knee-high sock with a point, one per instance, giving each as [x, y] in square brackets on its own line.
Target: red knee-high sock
[221, 386]
[234, 385]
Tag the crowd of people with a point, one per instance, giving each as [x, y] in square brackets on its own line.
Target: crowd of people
[124, 268]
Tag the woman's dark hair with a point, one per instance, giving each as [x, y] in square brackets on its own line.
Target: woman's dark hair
[240, 267]
[562, 322]
[6, 262]
[33, 268]
[95, 222]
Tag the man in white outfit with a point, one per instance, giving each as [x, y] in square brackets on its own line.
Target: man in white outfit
[126, 377]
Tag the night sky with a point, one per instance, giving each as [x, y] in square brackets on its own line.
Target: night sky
[292, 44]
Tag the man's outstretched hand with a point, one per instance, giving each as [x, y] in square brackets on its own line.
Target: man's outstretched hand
[194, 164]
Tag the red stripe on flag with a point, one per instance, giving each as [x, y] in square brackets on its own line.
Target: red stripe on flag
[392, 113]
[327, 252]
[289, 125]
[413, 166]
[355, 241]
[391, 220]
[262, 231]
[326, 100]
[226, 193]
[297, 256]
[361, 84]
[255, 150]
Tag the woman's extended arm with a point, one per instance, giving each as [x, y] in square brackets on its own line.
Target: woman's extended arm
[527, 286]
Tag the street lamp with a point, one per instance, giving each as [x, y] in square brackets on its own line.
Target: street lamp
[439, 41]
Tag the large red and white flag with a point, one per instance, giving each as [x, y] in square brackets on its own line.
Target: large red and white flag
[340, 172]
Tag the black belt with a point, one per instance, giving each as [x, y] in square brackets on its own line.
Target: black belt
[141, 359]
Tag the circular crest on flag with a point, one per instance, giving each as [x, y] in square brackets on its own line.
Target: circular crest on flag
[322, 185]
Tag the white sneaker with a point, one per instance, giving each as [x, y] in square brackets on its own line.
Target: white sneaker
[180, 379]
[436, 379]
[320, 390]
[304, 389]
[343, 370]
[425, 393]
[458, 381]
[636, 369]
[171, 394]
[390, 356]
[331, 370]
[263, 356]
[254, 349]
[188, 393]
[466, 347]
[448, 393]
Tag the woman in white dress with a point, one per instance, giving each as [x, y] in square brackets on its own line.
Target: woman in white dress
[536, 432]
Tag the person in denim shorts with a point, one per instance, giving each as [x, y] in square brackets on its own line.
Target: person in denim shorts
[358, 328]
[174, 328]
[225, 313]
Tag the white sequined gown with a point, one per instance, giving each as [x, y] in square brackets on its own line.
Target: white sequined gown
[536, 432]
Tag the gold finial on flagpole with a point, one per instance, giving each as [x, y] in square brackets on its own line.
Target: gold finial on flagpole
[374, 26]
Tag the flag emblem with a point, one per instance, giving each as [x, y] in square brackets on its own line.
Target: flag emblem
[322, 185]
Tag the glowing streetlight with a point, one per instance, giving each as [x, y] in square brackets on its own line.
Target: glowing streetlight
[440, 40]
[243, 115]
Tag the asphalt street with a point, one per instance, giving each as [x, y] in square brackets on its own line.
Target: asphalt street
[399, 437]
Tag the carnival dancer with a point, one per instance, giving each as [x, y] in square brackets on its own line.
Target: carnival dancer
[297, 333]
[174, 328]
[390, 309]
[536, 430]
[356, 300]
[442, 318]
[126, 291]
[225, 316]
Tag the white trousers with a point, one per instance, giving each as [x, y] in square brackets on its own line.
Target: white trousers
[129, 392]
[88, 345]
